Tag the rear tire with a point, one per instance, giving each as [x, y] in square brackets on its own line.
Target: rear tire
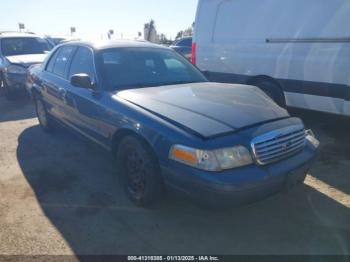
[272, 90]
[140, 171]
[45, 120]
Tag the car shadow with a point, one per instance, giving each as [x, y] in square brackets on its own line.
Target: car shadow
[17, 109]
[77, 186]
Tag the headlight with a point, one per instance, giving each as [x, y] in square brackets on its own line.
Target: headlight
[13, 69]
[211, 160]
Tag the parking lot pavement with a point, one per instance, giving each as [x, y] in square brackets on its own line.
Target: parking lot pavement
[60, 194]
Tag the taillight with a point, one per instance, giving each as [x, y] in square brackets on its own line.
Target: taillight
[194, 53]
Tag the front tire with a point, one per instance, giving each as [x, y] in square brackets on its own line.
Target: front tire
[45, 120]
[140, 171]
[8, 92]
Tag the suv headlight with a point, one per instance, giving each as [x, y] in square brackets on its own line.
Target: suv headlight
[211, 160]
[13, 69]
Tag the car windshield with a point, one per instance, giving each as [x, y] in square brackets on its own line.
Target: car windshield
[24, 45]
[124, 68]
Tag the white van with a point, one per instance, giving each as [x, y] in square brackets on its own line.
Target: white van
[297, 51]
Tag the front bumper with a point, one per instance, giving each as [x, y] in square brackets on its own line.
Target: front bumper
[241, 185]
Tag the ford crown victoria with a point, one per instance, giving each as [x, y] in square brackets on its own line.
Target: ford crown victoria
[168, 127]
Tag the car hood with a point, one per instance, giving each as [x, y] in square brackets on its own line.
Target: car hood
[208, 109]
[26, 60]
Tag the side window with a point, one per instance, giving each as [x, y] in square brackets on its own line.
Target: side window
[52, 61]
[83, 63]
[62, 59]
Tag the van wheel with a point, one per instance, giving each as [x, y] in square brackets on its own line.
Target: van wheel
[140, 172]
[272, 90]
[45, 120]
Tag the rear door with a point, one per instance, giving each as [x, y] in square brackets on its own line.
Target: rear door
[54, 81]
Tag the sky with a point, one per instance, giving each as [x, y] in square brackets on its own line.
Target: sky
[94, 18]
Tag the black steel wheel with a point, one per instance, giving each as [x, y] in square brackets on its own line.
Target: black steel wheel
[140, 171]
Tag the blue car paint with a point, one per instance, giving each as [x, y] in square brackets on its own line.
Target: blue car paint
[200, 115]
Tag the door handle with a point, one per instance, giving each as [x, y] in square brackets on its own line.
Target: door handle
[62, 92]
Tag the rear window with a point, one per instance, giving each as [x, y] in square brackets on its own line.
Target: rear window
[24, 46]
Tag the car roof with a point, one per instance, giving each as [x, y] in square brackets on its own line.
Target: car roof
[17, 34]
[99, 45]
[184, 38]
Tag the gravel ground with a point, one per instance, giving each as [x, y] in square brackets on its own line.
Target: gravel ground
[60, 194]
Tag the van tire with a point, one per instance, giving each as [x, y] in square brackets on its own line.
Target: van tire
[140, 171]
[272, 89]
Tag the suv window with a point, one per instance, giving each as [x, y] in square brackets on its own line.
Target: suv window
[61, 60]
[24, 46]
[82, 63]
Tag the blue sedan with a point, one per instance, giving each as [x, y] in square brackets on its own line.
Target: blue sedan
[168, 127]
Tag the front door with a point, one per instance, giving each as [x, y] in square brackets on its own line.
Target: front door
[85, 105]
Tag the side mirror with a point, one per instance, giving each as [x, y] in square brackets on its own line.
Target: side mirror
[81, 80]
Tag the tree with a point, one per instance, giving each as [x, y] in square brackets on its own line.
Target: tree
[150, 27]
[183, 33]
[164, 40]
[188, 32]
[179, 35]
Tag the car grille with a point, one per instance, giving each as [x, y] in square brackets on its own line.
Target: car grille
[278, 144]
